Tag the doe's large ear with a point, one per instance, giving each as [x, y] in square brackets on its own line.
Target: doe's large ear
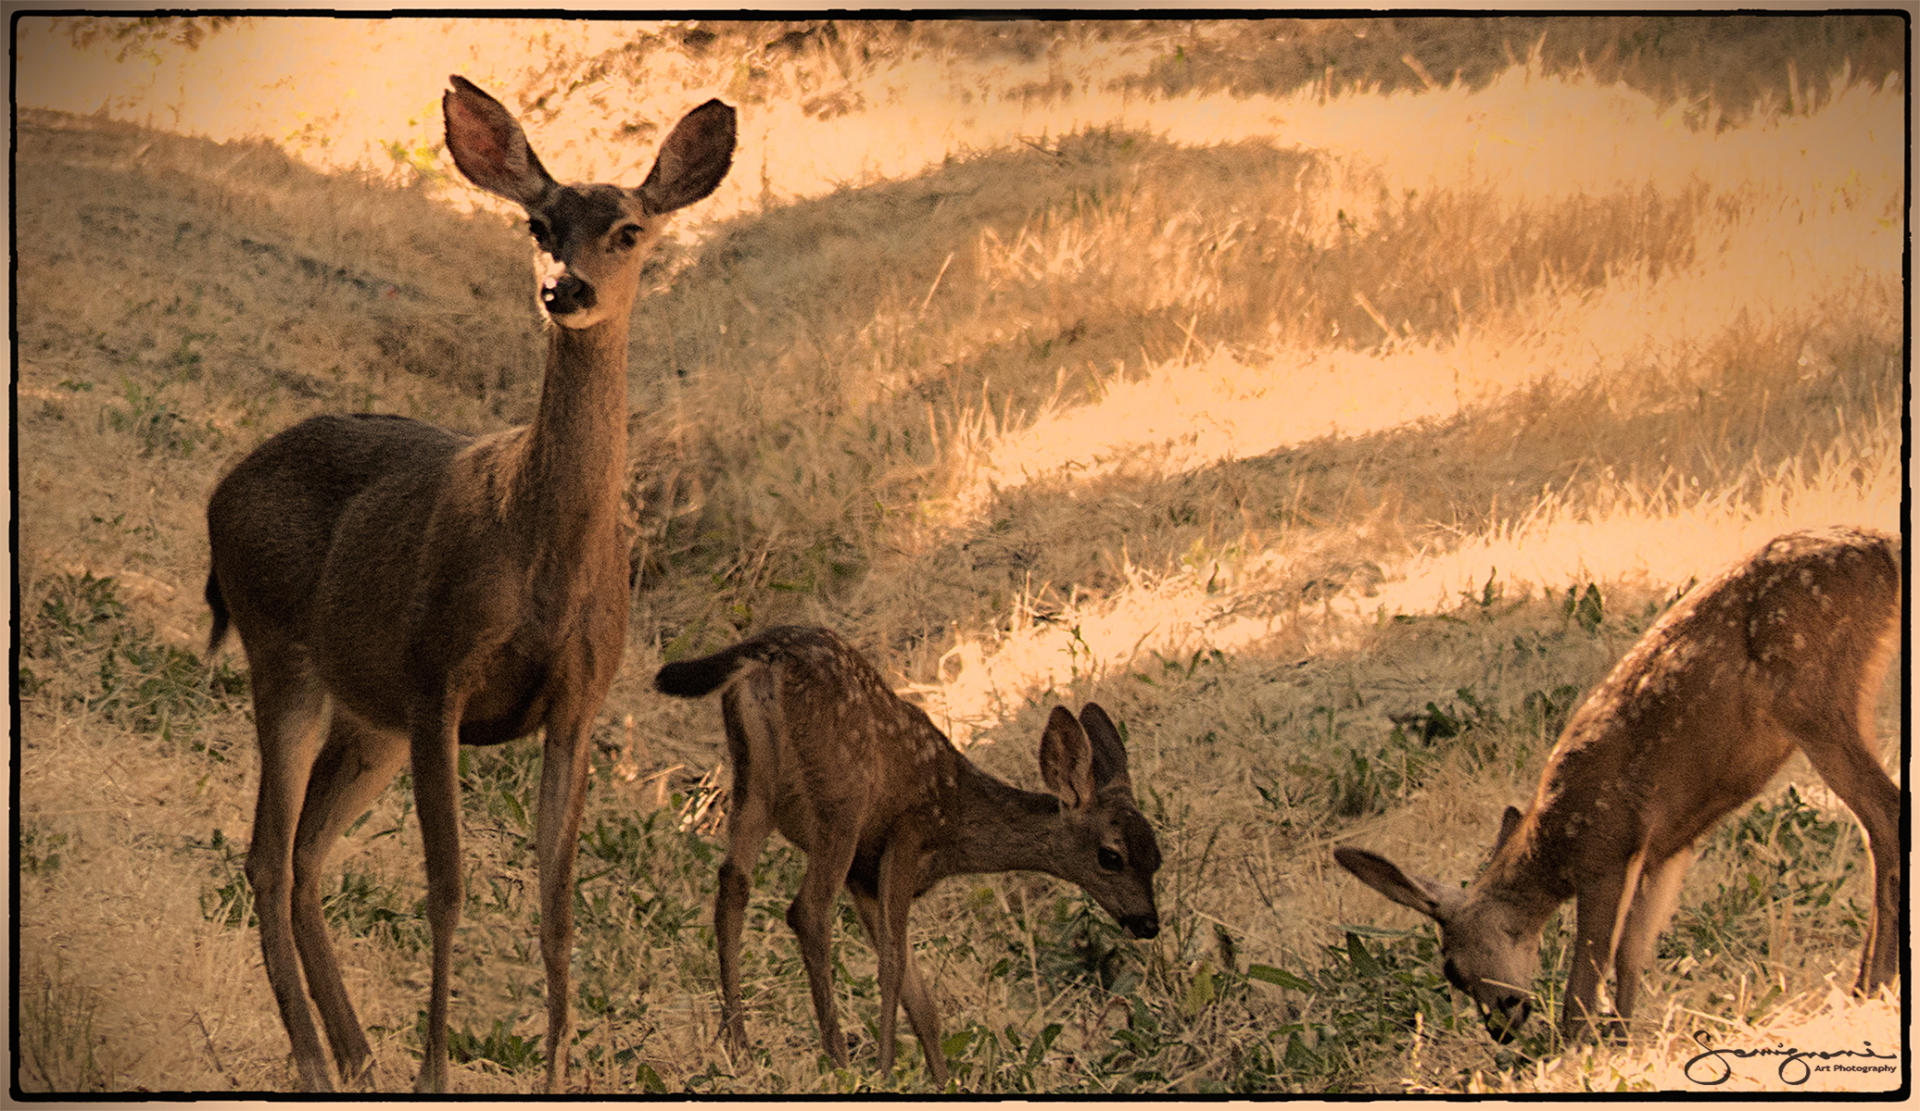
[1066, 759]
[1109, 751]
[692, 160]
[489, 147]
[1384, 876]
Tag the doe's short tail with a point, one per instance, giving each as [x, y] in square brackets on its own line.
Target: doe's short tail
[218, 604]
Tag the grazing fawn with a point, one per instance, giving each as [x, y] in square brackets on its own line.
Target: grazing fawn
[882, 802]
[401, 590]
[1785, 649]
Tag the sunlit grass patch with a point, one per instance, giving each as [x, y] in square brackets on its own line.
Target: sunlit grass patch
[1303, 595]
[1821, 1040]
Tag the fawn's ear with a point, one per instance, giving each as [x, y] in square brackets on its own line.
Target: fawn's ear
[1509, 822]
[1066, 759]
[489, 147]
[696, 155]
[1109, 751]
[1384, 876]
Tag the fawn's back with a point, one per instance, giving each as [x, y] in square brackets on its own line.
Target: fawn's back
[818, 732]
[1778, 651]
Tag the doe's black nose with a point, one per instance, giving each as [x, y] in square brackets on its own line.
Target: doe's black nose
[567, 294]
[1141, 925]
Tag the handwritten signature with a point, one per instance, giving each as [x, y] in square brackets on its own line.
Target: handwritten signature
[1714, 1066]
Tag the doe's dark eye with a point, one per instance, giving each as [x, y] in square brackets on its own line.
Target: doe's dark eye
[627, 236]
[1110, 860]
[540, 230]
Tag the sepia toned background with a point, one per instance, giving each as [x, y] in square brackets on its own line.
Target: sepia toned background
[1333, 400]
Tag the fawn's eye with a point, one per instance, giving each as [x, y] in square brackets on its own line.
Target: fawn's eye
[541, 233]
[627, 236]
[1110, 860]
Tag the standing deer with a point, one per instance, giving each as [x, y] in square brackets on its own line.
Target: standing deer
[882, 802]
[1785, 649]
[401, 590]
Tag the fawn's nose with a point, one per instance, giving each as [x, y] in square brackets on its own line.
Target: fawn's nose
[565, 295]
[1505, 1018]
[1141, 925]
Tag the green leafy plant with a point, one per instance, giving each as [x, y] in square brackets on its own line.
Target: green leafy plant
[155, 424]
[40, 850]
[1786, 853]
[58, 1046]
[1585, 608]
[136, 681]
[499, 1045]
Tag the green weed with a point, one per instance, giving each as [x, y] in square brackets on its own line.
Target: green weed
[364, 906]
[58, 1050]
[128, 676]
[40, 850]
[1373, 990]
[500, 785]
[155, 423]
[1788, 854]
[513, 1052]
[416, 161]
[358, 905]
[228, 901]
[230, 904]
[1584, 608]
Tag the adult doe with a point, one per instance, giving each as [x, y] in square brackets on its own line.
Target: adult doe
[882, 802]
[401, 590]
[1785, 649]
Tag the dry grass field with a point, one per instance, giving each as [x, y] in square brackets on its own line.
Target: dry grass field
[1332, 400]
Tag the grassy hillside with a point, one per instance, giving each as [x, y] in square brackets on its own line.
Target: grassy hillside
[1334, 401]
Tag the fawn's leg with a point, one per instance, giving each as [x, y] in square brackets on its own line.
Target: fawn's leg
[1652, 907]
[810, 915]
[913, 992]
[1600, 909]
[899, 874]
[1842, 751]
[747, 830]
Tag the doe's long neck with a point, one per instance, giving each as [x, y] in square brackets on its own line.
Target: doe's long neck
[576, 451]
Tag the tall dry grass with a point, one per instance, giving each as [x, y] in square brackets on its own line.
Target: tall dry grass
[1332, 417]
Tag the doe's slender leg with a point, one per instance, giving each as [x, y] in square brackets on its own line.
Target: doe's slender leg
[435, 742]
[290, 710]
[355, 765]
